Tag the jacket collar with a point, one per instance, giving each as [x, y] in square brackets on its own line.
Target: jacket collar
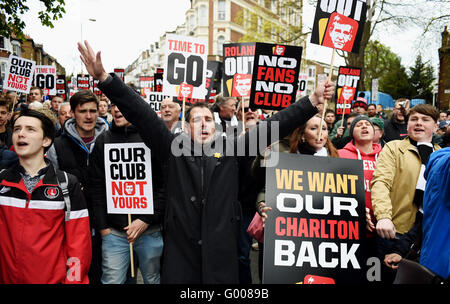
[13, 177]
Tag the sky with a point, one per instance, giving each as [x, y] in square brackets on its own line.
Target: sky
[123, 29]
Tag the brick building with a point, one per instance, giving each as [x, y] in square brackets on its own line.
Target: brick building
[443, 98]
[231, 21]
[26, 49]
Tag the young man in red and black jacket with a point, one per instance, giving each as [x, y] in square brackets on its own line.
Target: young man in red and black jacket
[45, 238]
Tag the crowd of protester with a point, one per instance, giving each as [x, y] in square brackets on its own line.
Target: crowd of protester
[52, 151]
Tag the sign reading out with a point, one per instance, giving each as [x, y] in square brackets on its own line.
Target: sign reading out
[346, 88]
[339, 24]
[237, 68]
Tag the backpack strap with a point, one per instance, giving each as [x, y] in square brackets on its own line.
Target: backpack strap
[63, 184]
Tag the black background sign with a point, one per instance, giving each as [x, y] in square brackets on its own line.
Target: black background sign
[61, 86]
[237, 59]
[316, 230]
[347, 81]
[275, 76]
[83, 82]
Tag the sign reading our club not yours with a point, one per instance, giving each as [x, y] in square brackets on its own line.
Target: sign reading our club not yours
[128, 178]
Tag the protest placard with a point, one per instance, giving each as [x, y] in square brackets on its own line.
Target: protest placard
[61, 86]
[120, 73]
[45, 78]
[339, 24]
[83, 82]
[346, 88]
[238, 68]
[213, 78]
[275, 76]
[155, 99]
[128, 178]
[316, 230]
[185, 66]
[302, 84]
[19, 74]
[158, 82]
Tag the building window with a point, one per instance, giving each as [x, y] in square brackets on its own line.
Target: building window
[259, 20]
[221, 10]
[220, 42]
[2, 42]
[203, 15]
[312, 72]
[16, 49]
[2, 69]
[274, 6]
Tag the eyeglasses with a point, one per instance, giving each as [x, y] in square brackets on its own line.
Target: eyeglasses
[251, 109]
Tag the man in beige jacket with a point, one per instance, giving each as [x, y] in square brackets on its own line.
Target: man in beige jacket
[397, 185]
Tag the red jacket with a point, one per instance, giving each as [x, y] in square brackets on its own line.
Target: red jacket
[369, 165]
[37, 244]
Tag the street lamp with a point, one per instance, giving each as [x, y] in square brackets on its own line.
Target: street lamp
[81, 34]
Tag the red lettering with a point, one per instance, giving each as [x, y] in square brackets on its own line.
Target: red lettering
[290, 226]
[323, 234]
[353, 230]
[303, 228]
[143, 202]
[286, 102]
[116, 189]
[332, 223]
[278, 222]
[259, 95]
[342, 230]
[314, 226]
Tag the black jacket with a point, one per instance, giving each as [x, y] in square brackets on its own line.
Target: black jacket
[96, 187]
[202, 212]
[394, 130]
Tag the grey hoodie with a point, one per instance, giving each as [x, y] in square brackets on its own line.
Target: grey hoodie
[71, 132]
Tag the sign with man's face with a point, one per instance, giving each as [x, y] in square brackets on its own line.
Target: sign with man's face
[339, 24]
[237, 60]
[242, 85]
[346, 88]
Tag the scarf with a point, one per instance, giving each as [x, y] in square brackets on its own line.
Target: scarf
[425, 149]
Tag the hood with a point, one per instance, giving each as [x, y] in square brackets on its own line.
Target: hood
[350, 147]
[71, 131]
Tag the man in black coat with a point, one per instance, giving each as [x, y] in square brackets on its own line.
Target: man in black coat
[145, 229]
[202, 210]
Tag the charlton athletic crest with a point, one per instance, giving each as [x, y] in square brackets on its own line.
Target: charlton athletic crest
[51, 192]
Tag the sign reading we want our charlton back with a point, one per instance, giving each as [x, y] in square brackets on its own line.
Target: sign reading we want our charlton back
[316, 230]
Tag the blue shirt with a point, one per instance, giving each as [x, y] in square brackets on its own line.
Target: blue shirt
[435, 252]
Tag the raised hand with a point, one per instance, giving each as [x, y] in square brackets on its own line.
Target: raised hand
[92, 62]
[324, 90]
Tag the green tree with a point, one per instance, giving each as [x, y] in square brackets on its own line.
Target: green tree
[282, 24]
[396, 81]
[386, 16]
[421, 79]
[11, 11]
[378, 60]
